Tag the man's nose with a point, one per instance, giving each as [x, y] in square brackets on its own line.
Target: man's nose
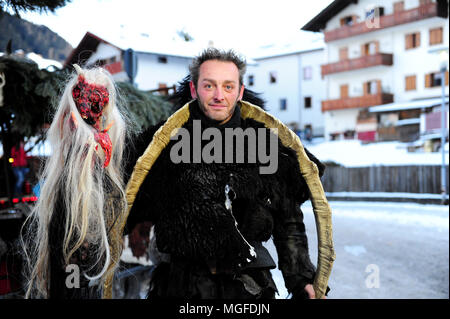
[218, 94]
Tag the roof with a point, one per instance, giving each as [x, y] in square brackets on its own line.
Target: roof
[138, 43]
[85, 48]
[319, 22]
[407, 105]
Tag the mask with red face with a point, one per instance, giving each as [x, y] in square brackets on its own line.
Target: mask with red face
[90, 100]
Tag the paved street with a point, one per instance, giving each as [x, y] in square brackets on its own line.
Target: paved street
[385, 250]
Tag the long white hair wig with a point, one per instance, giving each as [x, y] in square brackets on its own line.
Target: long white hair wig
[92, 196]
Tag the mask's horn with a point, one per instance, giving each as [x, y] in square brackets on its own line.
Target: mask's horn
[77, 68]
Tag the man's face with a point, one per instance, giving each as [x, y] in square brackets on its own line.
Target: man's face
[217, 89]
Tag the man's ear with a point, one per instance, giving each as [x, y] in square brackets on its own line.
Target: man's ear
[193, 91]
[241, 93]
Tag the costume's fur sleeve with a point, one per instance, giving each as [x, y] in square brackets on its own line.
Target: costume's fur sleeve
[289, 234]
[135, 149]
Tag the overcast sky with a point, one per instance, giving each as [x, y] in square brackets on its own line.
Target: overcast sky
[239, 24]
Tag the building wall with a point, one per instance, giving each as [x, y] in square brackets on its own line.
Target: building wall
[291, 86]
[286, 71]
[340, 121]
[314, 88]
[417, 61]
[152, 73]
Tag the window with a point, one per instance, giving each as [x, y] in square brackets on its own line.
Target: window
[308, 102]
[410, 83]
[434, 79]
[412, 40]
[370, 48]
[162, 59]
[273, 77]
[372, 87]
[283, 104]
[307, 73]
[251, 80]
[436, 36]
[349, 20]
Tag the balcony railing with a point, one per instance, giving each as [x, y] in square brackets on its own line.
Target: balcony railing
[425, 11]
[357, 63]
[114, 67]
[358, 101]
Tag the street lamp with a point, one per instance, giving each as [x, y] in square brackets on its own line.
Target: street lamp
[443, 57]
[443, 61]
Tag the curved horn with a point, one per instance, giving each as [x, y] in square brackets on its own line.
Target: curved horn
[140, 171]
[310, 172]
[78, 69]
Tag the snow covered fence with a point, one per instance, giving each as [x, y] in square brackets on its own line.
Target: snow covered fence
[410, 179]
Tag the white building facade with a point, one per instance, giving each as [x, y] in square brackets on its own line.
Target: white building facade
[378, 52]
[292, 86]
[155, 70]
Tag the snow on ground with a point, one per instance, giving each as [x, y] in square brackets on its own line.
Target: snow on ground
[398, 237]
[353, 153]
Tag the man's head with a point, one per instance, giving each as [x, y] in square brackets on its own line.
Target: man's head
[217, 82]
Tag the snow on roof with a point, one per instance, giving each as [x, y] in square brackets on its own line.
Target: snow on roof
[301, 42]
[142, 43]
[353, 153]
[152, 45]
[408, 105]
[42, 62]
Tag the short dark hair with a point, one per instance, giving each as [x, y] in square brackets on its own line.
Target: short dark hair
[219, 55]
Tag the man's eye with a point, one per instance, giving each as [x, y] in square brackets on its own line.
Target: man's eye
[229, 87]
[208, 86]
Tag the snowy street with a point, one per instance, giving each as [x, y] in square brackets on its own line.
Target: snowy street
[384, 250]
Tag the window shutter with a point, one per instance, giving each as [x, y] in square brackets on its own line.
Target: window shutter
[378, 87]
[427, 80]
[410, 82]
[344, 91]
[417, 40]
[408, 41]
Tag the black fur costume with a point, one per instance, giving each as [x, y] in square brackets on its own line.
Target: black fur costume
[209, 257]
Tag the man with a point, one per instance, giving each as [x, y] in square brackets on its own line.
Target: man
[213, 202]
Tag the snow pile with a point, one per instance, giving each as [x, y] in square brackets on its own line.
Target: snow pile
[409, 214]
[353, 153]
[44, 63]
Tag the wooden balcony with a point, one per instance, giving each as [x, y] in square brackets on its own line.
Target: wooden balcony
[114, 67]
[357, 63]
[425, 11]
[358, 101]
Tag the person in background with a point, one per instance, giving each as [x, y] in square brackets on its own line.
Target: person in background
[19, 165]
